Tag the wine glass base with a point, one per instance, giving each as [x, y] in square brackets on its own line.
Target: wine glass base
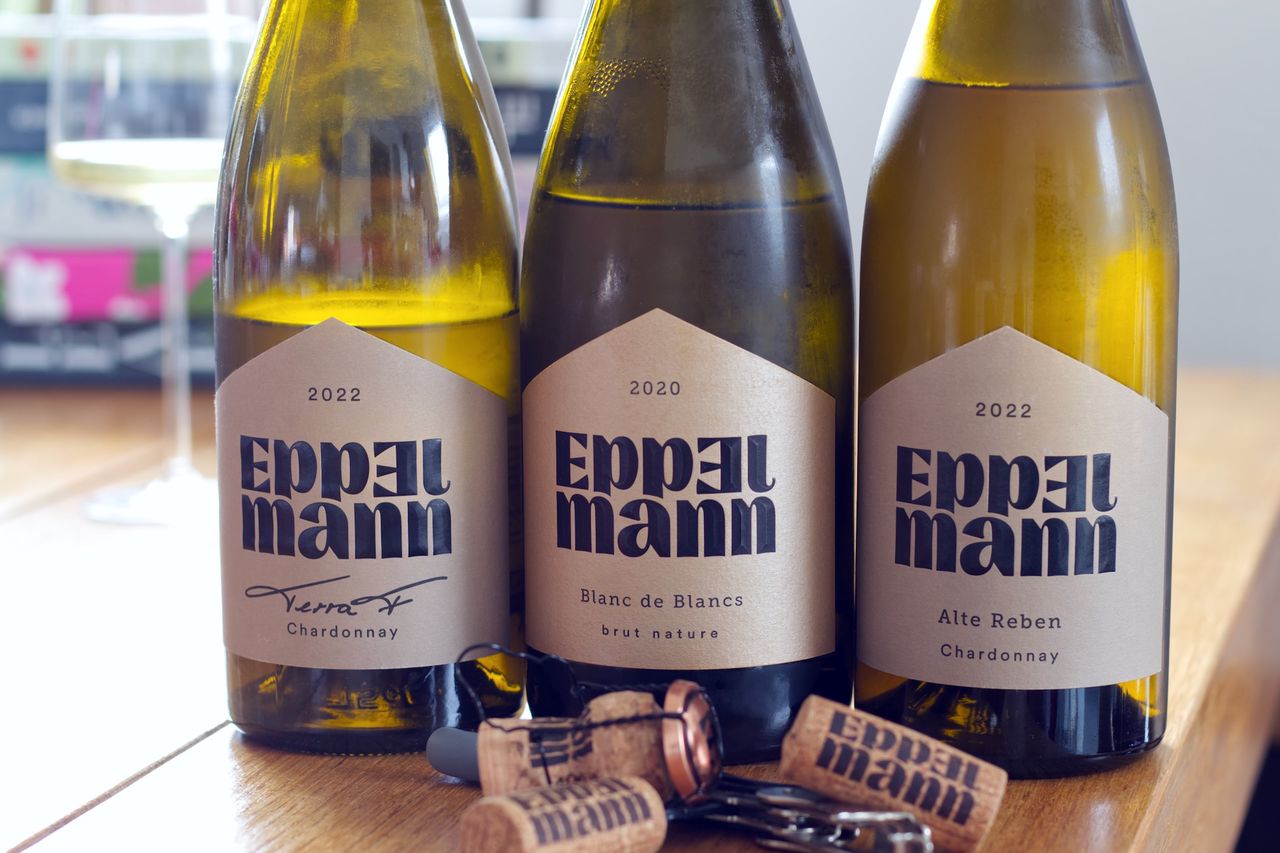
[178, 496]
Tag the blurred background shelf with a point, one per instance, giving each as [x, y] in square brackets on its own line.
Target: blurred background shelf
[80, 277]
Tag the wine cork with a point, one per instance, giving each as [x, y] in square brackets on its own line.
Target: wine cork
[628, 749]
[614, 815]
[516, 755]
[858, 758]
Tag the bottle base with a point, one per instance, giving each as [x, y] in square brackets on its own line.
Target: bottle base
[358, 712]
[355, 742]
[1075, 765]
[1032, 734]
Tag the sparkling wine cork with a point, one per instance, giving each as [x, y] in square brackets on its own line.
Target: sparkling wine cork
[612, 815]
[629, 749]
[858, 758]
[516, 755]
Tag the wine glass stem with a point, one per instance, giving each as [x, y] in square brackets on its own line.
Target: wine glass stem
[175, 378]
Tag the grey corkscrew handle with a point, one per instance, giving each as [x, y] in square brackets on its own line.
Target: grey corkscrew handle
[453, 752]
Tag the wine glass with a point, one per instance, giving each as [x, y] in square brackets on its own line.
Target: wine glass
[140, 95]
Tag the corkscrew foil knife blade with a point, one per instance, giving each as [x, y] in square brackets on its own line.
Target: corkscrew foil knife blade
[788, 817]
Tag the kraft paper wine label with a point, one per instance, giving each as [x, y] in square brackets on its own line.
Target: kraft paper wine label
[1012, 522]
[679, 504]
[363, 495]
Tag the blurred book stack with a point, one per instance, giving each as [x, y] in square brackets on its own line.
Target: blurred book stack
[80, 277]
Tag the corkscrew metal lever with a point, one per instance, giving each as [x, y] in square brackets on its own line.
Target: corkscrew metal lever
[788, 817]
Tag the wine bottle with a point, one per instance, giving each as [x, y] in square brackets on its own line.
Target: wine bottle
[1018, 336]
[367, 359]
[687, 370]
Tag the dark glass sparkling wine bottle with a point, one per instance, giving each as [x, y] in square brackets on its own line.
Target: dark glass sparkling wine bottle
[368, 380]
[687, 357]
[1017, 373]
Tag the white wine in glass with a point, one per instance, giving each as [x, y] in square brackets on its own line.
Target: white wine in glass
[140, 97]
[163, 174]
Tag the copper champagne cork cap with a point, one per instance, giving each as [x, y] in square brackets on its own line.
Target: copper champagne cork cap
[691, 743]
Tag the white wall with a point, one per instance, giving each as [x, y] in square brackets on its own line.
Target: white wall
[1216, 69]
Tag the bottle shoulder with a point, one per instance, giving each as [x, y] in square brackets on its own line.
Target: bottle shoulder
[1009, 153]
[362, 151]
[703, 104]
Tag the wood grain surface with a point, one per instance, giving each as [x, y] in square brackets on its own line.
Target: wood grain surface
[116, 717]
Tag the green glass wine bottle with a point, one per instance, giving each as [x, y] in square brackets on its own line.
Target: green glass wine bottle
[687, 361]
[1017, 367]
[367, 361]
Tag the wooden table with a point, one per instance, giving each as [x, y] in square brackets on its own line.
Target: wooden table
[114, 713]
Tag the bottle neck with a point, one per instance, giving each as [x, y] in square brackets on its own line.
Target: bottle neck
[351, 9]
[684, 30]
[676, 11]
[365, 23]
[1024, 43]
[400, 53]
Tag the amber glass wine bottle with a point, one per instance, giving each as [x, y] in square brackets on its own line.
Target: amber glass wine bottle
[687, 361]
[1018, 335]
[367, 367]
